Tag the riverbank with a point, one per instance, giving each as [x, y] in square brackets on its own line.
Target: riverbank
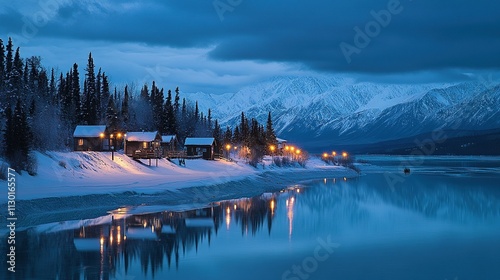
[72, 186]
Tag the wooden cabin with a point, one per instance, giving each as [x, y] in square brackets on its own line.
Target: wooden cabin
[143, 144]
[204, 147]
[90, 138]
[169, 145]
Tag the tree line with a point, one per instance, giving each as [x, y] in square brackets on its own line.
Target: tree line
[40, 109]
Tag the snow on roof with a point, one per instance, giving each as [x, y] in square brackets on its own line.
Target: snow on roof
[199, 141]
[280, 140]
[167, 138]
[142, 136]
[89, 130]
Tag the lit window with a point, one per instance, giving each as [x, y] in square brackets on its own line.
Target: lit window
[80, 142]
[144, 145]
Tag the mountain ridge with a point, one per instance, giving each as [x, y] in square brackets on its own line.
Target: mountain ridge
[337, 111]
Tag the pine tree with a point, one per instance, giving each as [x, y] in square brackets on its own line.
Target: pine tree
[111, 116]
[125, 110]
[270, 134]
[145, 93]
[89, 111]
[76, 115]
[236, 136]
[228, 136]
[170, 126]
[98, 106]
[217, 133]
[17, 137]
[9, 58]
[105, 92]
[176, 102]
[52, 89]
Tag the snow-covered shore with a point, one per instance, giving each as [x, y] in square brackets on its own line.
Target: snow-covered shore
[85, 185]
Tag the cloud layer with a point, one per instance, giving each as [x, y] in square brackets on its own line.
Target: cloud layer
[379, 36]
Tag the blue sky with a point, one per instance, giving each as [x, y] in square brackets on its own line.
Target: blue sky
[221, 45]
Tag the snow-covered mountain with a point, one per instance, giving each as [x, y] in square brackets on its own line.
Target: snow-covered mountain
[328, 111]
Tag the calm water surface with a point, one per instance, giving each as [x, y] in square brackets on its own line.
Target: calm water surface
[422, 226]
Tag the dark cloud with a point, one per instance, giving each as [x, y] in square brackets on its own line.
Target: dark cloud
[422, 36]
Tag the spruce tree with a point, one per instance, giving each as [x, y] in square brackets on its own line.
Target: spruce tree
[170, 125]
[270, 134]
[125, 110]
[111, 116]
[76, 116]
[9, 58]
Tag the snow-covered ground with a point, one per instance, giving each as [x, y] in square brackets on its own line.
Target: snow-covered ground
[84, 173]
[81, 185]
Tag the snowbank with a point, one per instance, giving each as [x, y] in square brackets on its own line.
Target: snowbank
[84, 173]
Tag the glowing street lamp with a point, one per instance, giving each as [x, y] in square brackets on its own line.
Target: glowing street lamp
[325, 155]
[334, 153]
[228, 148]
[344, 154]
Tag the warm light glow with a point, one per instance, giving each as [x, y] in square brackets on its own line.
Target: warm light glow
[292, 148]
[298, 190]
[273, 205]
[102, 241]
[228, 210]
[145, 224]
[345, 179]
[101, 135]
[119, 135]
[234, 207]
[228, 147]
[111, 135]
[124, 237]
[325, 155]
[287, 148]
[298, 152]
[334, 153]
[344, 154]
[272, 147]
[235, 147]
[324, 180]
[111, 239]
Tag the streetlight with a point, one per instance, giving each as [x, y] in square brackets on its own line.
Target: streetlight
[272, 148]
[228, 147]
[325, 155]
[334, 153]
[113, 147]
[344, 154]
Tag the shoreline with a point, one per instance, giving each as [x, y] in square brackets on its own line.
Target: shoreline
[200, 188]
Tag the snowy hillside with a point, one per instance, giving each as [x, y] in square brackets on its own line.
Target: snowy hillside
[317, 110]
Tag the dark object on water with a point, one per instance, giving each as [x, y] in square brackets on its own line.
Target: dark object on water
[407, 170]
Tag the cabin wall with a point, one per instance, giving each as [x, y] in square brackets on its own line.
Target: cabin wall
[89, 144]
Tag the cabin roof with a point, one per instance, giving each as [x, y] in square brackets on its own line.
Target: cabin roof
[89, 130]
[143, 136]
[167, 138]
[195, 141]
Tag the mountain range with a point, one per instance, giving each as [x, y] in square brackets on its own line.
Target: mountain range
[324, 112]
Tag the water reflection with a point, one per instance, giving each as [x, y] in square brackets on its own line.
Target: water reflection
[355, 211]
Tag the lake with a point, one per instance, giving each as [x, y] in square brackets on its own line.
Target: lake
[436, 223]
